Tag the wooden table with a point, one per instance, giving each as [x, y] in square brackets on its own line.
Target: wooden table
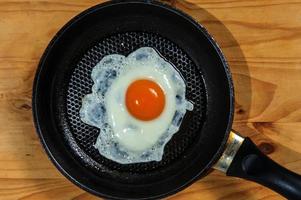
[261, 40]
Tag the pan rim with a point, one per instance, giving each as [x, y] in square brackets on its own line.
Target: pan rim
[98, 7]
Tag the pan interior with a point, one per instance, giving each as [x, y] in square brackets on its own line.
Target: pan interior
[83, 136]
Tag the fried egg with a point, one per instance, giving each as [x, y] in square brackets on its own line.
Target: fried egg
[138, 103]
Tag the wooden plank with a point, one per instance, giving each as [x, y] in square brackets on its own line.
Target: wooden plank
[261, 40]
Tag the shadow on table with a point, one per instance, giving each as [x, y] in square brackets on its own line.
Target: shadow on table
[243, 99]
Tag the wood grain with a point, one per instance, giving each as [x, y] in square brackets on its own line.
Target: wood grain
[261, 40]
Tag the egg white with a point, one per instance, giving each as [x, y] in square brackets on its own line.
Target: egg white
[122, 137]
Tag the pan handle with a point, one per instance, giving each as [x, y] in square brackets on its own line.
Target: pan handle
[245, 160]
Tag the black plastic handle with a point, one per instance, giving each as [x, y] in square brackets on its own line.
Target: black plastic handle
[251, 164]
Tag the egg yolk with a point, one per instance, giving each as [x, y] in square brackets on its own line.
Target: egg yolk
[145, 99]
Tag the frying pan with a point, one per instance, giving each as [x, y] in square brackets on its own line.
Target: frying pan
[205, 138]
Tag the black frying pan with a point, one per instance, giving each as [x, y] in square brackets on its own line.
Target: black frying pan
[63, 78]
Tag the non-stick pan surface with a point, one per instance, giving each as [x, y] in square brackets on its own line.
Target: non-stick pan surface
[63, 78]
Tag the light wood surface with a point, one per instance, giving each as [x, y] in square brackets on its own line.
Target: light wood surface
[261, 40]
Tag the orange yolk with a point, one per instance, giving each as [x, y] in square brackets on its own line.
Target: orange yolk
[145, 99]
